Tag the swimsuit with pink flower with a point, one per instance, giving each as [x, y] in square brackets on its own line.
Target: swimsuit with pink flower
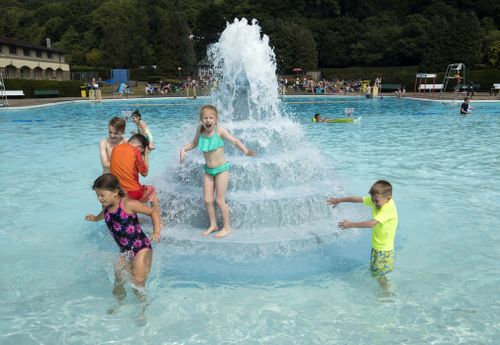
[126, 230]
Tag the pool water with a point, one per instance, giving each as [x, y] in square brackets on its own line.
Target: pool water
[57, 269]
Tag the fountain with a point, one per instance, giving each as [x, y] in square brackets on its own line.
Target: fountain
[277, 199]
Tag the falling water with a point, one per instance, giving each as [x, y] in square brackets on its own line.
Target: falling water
[277, 197]
[245, 66]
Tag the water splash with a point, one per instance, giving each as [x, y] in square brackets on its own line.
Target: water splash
[276, 198]
[245, 66]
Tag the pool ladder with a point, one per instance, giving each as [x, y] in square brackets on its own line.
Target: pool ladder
[3, 93]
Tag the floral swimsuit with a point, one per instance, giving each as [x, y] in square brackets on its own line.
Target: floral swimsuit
[126, 230]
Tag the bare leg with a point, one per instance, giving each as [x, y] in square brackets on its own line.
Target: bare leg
[119, 289]
[384, 283]
[208, 196]
[155, 204]
[221, 182]
[141, 265]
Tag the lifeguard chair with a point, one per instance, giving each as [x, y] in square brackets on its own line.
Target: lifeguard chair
[454, 72]
[3, 92]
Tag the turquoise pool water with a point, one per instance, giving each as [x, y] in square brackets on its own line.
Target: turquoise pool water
[57, 270]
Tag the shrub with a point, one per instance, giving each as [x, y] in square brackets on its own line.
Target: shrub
[67, 88]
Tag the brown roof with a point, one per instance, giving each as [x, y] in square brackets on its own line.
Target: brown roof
[24, 44]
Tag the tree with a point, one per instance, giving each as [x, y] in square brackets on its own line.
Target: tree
[378, 34]
[173, 42]
[209, 25]
[494, 54]
[408, 49]
[94, 57]
[10, 22]
[71, 44]
[122, 37]
[294, 45]
[335, 40]
[322, 8]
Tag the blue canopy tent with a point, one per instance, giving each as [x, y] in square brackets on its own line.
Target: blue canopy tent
[118, 76]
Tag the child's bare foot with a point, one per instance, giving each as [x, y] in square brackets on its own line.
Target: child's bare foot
[211, 229]
[223, 233]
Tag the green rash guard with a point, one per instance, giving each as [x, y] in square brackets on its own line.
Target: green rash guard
[387, 216]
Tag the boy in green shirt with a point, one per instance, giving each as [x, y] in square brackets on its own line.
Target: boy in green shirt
[384, 223]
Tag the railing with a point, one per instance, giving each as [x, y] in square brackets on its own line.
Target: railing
[3, 95]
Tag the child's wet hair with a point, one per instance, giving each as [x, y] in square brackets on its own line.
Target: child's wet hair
[141, 139]
[381, 187]
[137, 114]
[118, 123]
[209, 107]
[108, 182]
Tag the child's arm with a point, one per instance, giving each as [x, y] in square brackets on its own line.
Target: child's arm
[134, 206]
[224, 134]
[92, 218]
[189, 146]
[346, 224]
[142, 163]
[335, 201]
[144, 127]
[103, 154]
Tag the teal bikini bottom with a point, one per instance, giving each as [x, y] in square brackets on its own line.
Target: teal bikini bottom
[217, 170]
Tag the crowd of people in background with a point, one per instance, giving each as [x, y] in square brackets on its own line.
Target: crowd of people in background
[324, 86]
[191, 86]
[307, 84]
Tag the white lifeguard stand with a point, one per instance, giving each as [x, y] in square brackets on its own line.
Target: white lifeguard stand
[454, 71]
[426, 82]
[3, 92]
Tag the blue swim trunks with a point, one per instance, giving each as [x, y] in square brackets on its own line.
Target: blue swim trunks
[381, 262]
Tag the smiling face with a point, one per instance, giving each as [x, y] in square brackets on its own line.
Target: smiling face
[208, 119]
[115, 136]
[106, 197]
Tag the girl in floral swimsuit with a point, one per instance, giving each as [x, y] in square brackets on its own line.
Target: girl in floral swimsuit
[120, 215]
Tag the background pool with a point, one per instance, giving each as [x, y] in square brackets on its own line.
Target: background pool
[57, 269]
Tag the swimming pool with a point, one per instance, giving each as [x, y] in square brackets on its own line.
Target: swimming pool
[57, 269]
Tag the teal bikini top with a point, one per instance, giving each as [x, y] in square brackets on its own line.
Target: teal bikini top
[207, 144]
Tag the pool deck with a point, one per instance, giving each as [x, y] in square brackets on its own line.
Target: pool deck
[33, 102]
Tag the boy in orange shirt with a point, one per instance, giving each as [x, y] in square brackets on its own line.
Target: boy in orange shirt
[127, 163]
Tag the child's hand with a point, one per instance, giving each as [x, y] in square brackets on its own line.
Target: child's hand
[91, 218]
[250, 153]
[333, 201]
[155, 236]
[345, 224]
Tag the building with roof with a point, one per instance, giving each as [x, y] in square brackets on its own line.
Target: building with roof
[24, 60]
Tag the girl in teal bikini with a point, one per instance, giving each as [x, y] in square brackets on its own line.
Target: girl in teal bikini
[209, 139]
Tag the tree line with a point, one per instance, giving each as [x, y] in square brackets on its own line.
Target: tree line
[304, 33]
